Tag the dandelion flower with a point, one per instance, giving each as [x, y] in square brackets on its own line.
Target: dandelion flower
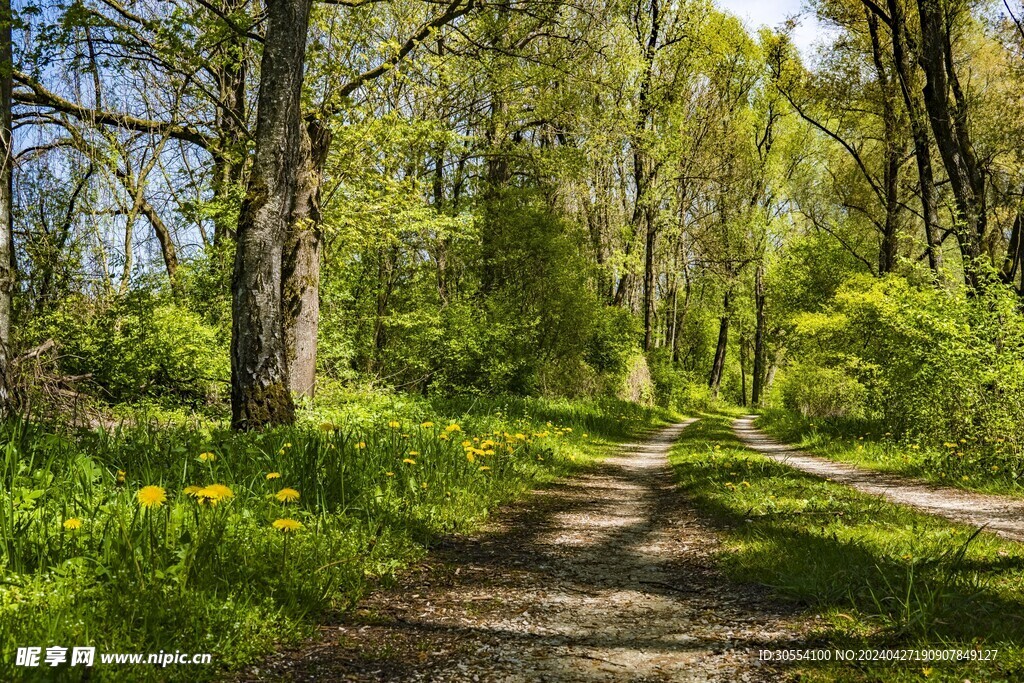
[151, 497]
[409, 461]
[414, 453]
[453, 428]
[72, 523]
[214, 493]
[327, 427]
[120, 476]
[361, 445]
[394, 424]
[287, 495]
[427, 425]
[389, 474]
[484, 468]
[287, 526]
[273, 475]
[469, 456]
[207, 457]
[192, 490]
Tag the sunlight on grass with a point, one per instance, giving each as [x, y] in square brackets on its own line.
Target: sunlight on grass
[877, 575]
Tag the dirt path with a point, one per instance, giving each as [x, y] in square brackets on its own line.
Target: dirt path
[605, 577]
[999, 514]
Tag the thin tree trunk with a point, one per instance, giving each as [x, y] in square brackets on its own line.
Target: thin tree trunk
[7, 270]
[649, 284]
[910, 88]
[757, 383]
[718, 366]
[259, 371]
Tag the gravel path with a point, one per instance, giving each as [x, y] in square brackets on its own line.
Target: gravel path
[604, 577]
[999, 514]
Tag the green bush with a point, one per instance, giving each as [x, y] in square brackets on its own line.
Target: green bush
[141, 345]
[820, 392]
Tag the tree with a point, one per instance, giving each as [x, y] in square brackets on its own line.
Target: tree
[260, 393]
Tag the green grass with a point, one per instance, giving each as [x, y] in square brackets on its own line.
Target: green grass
[988, 465]
[379, 477]
[875, 574]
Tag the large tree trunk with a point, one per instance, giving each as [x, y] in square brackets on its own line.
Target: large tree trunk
[300, 287]
[259, 371]
[910, 88]
[892, 138]
[718, 366]
[949, 125]
[6, 204]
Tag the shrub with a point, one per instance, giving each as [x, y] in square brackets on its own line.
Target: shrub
[821, 392]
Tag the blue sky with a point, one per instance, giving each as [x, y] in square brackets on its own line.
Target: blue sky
[756, 13]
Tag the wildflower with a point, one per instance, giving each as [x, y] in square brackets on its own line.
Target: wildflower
[389, 474]
[327, 427]
[453, 428]
[394, 424]
[287, 445]
[442, 436]
[151, 496]
[213, 494]
[273, 475]
[467, 443]
[413, 454]
[423, 486]
[409, 461]
[427, 425]
[192, 490]
[586, 436]
[207, 457]
[72, 523]
[287, 495]
[120, 476]
[287, 526]
[469, 456]
[484, 468]
[489, 451]
[361, 445]
[569, 430]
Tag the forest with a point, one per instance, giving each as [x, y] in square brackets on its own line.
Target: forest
[294, 292]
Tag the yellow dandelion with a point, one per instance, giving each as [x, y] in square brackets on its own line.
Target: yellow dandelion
[273, 475]
[120, 476]
[214, 493]
[72, 523]
[327, 427]
[151, 496]
[469, 456]
[192, 490]
[586, 436]
[361, 445]
[287, 495]
[442, 436]
[413, 453]
[484, 468]
[207, 457]
[389, 474]
[453, 428]
[427, 425]
[287, 526]
[409, 461]
[394, 424]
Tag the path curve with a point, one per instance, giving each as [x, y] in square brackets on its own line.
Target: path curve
[608, 576]
[1000, 515]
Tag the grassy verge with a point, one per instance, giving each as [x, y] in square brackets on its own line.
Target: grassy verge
[194, 539]
[875, 574]
[991, 466]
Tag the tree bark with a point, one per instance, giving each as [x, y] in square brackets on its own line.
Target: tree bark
[260, 393]
[300, 286]
[7, 270]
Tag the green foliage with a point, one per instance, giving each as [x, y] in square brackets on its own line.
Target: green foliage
[139, 345]
[929, 365]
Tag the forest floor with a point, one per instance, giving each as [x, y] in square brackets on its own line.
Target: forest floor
[1000, 515]
[606, 576]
